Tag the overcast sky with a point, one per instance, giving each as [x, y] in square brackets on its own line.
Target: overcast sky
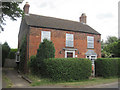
[102, 15]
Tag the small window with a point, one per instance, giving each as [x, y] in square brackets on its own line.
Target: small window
[45, 35]
[90, 42]
[69, 40]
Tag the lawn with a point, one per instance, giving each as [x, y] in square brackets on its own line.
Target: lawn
[37, 81]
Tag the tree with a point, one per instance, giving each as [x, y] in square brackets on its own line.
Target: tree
[5, 52]
[111, 39]
[111, 47]
[46, 50]
[12, 10]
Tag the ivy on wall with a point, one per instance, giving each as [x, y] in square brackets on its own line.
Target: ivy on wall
[23, 51]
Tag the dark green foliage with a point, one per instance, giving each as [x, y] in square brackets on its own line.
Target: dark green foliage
[46, 50]
[119, 68]
[106, 67]
[33, 65]
[111, 47]
[5, 52]
[67, 69]
[23, 51]
[111, 39]
[12, 10]
[12, 54]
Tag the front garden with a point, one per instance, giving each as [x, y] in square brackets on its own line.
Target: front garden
[52, 70]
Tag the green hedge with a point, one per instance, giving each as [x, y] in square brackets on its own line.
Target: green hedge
[106, 67]
[12, 54]
[67, 69]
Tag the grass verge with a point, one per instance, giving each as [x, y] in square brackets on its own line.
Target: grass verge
[7, 81]
[37, 81]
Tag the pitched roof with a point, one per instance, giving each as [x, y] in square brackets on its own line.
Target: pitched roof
[61, 24]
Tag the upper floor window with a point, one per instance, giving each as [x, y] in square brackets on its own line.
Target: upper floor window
[69, 40]
[45, 35]
[90, 42]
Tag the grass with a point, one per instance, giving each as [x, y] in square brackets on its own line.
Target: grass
[37, 81]
[7, 81]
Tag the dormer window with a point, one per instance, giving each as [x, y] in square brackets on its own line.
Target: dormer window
[69, 40]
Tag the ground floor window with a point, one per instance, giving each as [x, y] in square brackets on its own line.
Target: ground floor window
[69, 54]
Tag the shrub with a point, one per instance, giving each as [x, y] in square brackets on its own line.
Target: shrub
[46, 50]
[33, 65]
[12, 54]
[106, 67]
[5, 52]
[67, 69]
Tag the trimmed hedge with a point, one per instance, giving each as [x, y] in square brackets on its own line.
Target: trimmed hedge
[106, 67]
[67, 69]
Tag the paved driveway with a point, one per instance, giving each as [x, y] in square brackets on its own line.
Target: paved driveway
[15, 78]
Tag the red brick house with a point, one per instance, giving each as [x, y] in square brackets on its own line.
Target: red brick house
[70, 38]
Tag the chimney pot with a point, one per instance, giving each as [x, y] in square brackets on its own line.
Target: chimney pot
[83, 18]
[26, 8]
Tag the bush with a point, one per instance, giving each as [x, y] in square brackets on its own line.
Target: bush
[5, 52]
[106, 67]
[12, 54]
[46, 50]
[33, 65]
[67, 69]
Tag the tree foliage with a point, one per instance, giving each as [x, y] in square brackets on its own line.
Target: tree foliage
[12, 10]
[5, 52]
[111, 47]
[46, 50]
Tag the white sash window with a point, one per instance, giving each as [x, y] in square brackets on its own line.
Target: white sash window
[45, 35]
[90, 42]
[69, 40]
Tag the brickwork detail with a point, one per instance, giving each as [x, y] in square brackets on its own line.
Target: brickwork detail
[58, 37]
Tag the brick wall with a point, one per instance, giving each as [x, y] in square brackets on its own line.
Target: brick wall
[58, 37]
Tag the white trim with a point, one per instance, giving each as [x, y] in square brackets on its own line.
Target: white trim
[90, 42]
[91, 55]
[69, 37]
[69, 51]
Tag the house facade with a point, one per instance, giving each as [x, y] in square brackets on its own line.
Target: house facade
[71, 38]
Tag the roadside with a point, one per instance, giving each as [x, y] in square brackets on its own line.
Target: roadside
[14, 80]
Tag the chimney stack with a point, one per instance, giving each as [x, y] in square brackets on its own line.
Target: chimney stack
[83, 18]
[26, 8]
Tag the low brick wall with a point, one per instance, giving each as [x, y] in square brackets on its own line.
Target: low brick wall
[10, 63]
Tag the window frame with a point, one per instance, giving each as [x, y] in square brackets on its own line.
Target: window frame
[42, 36]
[69, 40]
[90, 42]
